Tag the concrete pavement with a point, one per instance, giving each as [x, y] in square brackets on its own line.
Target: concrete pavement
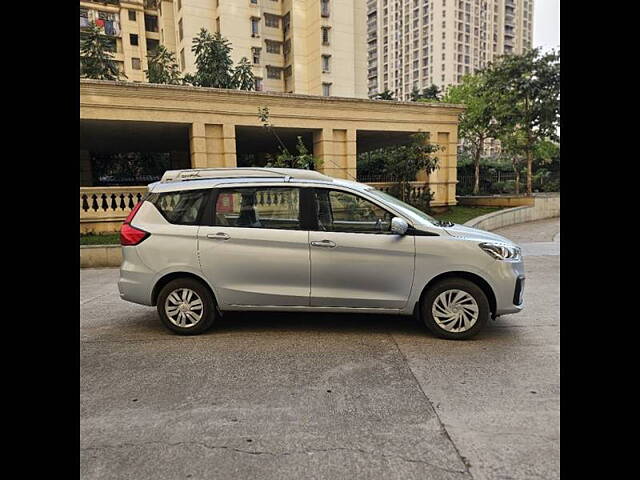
[321, 395]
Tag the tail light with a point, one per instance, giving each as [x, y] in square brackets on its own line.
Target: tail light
[130, 235]
[133, 212]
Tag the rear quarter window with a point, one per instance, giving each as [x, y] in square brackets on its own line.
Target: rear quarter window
[181, 208]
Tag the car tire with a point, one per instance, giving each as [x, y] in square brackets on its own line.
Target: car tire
[187, 291]
[457, 300]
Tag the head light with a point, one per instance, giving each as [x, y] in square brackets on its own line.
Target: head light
[501, 251]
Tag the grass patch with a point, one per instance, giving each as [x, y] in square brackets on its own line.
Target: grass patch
[100, 239]
[460, 214]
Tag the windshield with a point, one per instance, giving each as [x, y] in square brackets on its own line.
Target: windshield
[407, 209]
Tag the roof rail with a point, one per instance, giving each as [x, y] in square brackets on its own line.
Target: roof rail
[243, 172]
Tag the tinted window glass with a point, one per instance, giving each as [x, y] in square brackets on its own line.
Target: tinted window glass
[259, 208]
[180, 207]
[344, 212]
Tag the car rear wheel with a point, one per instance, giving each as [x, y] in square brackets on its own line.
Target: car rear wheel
[455, 308]
[186, 306]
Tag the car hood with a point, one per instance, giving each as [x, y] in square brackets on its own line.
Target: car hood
[469, 233]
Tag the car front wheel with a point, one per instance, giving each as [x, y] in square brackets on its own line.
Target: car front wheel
[455, 308]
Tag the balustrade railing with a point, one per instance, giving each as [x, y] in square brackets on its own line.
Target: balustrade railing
[417, 192]
[108, 203]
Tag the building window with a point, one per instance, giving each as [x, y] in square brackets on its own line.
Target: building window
[324, 8]
[133, 39]
[84, 17]
[271, 20]
[255, 27]
[254, 2]
[132, 15]
[150, 23]
[326, 89]
[255, 53]
[258, 84]
[286, 20]
[325, 63]
[179, 5]
[274, 72]
[180, 30]
[182, 62]
[273, 47]
[325, 35]
[135, 63]
[218, 24]
[152, 45]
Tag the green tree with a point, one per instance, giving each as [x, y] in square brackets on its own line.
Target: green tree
[386, 95]
[404, 162]
[263, 115]
[415, 94]
[477, 122]
[214, 67]
[243, 77]
[96, 57]
[163, 67]
[431, 93]
[528, 87]
[303, 159]
[513, 149]
[285, 159]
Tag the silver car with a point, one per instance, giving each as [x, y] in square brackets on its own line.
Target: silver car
[204, 242]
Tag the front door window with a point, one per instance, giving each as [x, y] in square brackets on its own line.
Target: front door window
[340, 211]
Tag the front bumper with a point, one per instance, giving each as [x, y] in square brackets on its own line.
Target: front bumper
[508, 285]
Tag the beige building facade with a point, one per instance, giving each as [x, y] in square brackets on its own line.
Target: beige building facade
[310, 47]
[132, 28]
[417, 43]
[202, 127]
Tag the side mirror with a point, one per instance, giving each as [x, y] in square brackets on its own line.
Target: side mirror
[399, 226]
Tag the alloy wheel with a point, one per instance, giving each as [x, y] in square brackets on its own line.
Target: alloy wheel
[184, 308]
[455, 310]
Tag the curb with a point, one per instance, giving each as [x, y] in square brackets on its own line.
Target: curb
[545, 206]
[96, 256]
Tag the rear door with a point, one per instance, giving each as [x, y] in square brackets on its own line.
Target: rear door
[255, 248]
[355, 259]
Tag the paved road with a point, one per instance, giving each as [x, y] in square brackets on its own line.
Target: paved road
[290, 396]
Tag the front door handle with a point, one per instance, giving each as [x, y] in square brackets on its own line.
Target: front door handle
[324, 243]
[218, 236]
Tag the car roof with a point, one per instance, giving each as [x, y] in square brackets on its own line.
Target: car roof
[200, 178]
[250, 172]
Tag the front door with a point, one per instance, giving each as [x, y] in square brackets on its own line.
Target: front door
[355, 259]
[256, 252]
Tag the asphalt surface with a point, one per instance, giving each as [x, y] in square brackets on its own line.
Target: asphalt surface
[290, 396]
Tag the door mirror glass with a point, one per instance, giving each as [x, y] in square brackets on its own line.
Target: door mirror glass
[399, 225]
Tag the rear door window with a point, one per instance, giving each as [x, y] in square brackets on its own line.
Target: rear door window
[181, 208]
[259, 207]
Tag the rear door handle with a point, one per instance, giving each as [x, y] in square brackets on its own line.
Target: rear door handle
[324, 243]
[218, 236]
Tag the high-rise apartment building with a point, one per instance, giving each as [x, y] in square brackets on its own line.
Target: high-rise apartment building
[417, 43]
[315, 47]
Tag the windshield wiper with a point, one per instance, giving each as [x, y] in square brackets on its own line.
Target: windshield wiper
[444, 223]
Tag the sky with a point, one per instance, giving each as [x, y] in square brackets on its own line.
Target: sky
[546, 24]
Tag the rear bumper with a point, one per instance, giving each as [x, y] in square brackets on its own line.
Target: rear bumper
[136, 280]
